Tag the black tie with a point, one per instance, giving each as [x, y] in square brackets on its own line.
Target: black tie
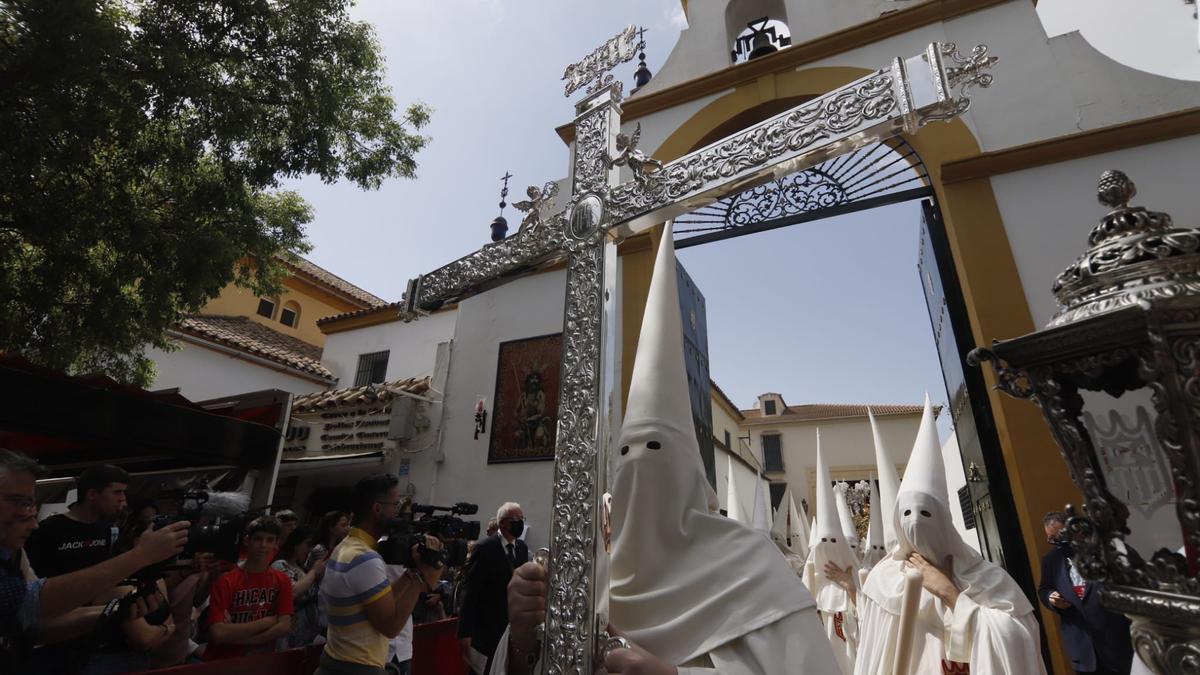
[512, 556]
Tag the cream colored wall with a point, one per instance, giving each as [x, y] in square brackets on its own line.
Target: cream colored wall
[314, 304]
[847, 445]
[723, 421]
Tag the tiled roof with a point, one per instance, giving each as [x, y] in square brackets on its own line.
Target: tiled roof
[353, 396]
[333, 281]
[830, 411]
[360, 312]
[724, 397]
[249, 336]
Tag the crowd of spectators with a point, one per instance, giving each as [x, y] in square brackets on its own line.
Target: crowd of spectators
[109, 587]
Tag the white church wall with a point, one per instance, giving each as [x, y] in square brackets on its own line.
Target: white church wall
[523, 308]
[412, 346]
[847, 444]
[745, 479]
[1048, 211]
[1044, 88]
[202, 374]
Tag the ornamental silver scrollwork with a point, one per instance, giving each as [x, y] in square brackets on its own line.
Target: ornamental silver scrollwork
[967, 72]
[591, 151]
[504, 257]
[594, 67]
[829, 118]
[568, 620]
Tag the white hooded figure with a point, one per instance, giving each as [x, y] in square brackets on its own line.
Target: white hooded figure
[889, 484]
[873, 550]
[699, 591]
[846, 518]
[799, 528]
[972, 616]
[829, 545]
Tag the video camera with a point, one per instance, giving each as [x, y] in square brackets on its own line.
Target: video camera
[217, 522]
[454, 532]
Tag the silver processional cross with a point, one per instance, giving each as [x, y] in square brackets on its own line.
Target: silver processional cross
[601, 212]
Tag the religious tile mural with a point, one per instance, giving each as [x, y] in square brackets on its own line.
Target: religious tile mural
[525, 410]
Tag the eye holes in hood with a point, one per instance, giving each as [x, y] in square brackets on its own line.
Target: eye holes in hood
[653, 445]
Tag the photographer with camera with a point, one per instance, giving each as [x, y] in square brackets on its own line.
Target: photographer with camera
[366, 610]
[35, 608]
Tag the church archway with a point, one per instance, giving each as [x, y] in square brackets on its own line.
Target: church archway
[971, 247]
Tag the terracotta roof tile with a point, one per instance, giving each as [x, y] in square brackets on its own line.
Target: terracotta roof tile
[395, 306]
[352, 396]
[331, 280]
[247, 335]
[829, 411]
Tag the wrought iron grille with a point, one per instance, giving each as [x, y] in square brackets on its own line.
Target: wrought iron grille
[879, 174]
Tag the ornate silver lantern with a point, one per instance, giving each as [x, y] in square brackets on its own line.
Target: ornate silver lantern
[1117, 375]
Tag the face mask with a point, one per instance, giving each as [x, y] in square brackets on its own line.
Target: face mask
[516, 527]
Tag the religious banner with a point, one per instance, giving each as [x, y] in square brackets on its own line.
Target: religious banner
[525, 410]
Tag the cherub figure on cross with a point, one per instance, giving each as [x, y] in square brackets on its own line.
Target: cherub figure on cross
[629, 155]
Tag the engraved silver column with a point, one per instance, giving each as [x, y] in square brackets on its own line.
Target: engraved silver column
[577, 611]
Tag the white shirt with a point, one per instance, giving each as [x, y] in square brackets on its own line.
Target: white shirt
[400, 647]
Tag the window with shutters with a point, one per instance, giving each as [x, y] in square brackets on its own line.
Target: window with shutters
[728, 440]
[772, 452]
[372, 368]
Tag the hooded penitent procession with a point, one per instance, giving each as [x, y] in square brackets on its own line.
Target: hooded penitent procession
[761, 598]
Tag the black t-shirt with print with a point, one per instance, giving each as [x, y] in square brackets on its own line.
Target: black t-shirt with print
[61, 545]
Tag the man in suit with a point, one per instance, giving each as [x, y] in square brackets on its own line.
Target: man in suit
[1097, 640]
[485, 605]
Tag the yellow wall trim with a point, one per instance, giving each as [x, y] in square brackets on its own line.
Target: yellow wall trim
[1074, 146]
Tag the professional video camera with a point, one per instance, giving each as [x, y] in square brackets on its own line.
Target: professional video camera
[454, 532]
[218, 519]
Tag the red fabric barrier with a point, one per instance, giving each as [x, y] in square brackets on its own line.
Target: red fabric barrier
[435, 649]
[435, 652]
[301, 661]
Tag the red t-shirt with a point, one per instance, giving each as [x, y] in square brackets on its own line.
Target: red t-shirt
[245, 597]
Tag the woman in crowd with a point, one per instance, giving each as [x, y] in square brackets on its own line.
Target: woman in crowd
[331, 529]
[292, 557]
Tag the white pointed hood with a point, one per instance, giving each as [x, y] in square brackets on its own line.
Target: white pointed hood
[845, 518]
[873, 550]
[734, 581]
[762, 509]
[733, 499]
[779, 526]
[828, 545]
[800, 530]
[923, 524]
[889, 483]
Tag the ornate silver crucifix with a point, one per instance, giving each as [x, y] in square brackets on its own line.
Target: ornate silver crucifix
[601, 211]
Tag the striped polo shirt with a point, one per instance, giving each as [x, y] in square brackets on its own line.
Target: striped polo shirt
[355, 576]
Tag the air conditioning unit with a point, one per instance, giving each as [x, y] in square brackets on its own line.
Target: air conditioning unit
[403, 421]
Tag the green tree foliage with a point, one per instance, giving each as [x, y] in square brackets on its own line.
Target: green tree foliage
[142, 144]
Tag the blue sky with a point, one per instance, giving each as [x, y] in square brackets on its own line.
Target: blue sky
[823, 312]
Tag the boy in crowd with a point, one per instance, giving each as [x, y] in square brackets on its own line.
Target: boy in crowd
[251, 606]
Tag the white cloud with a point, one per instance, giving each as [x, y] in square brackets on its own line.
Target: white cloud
[674, 16]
